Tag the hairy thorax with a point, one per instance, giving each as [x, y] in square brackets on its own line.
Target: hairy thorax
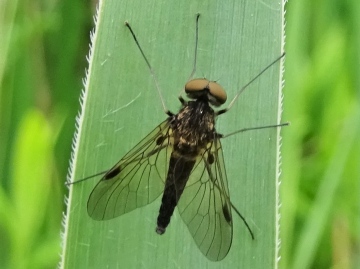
[193, 128]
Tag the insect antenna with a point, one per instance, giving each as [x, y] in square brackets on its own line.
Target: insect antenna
[222, 111]
[150, 68]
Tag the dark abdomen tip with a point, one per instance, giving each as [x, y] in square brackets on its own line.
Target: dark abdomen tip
[160, 230]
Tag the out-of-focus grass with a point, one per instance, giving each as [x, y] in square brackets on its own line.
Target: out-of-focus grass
[321, 149]
[42, 50]
[42, 58]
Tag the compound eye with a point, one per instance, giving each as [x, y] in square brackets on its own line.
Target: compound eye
[198, 84]
[218, 93]
[201, 86]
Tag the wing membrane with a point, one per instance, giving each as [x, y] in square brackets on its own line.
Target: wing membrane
[205, 205]
[136, 180]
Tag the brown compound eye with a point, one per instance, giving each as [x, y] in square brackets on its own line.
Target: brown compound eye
[201, 86]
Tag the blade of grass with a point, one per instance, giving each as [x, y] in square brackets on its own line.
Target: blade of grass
[324, 203]
[120, 106]
[31, 193]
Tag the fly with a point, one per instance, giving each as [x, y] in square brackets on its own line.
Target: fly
[181, 159]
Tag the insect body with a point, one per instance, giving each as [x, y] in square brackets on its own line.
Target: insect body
[193, 131]
[181, 159]
[195, 178]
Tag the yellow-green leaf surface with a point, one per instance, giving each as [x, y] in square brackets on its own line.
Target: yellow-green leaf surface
[120, 106]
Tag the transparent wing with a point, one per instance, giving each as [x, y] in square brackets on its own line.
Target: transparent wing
[205, 205]
[136, 180]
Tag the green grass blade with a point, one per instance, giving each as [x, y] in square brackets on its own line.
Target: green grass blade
[321, 211]
[120, 106]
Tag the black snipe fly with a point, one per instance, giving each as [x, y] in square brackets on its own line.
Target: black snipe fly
[182, 160]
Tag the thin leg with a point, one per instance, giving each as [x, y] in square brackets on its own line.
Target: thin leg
[255, 128]
[222, 111]
[150, 68]
[196, 46]
[195, 55]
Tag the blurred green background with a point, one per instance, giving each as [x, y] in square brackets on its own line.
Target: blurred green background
[42, 62]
